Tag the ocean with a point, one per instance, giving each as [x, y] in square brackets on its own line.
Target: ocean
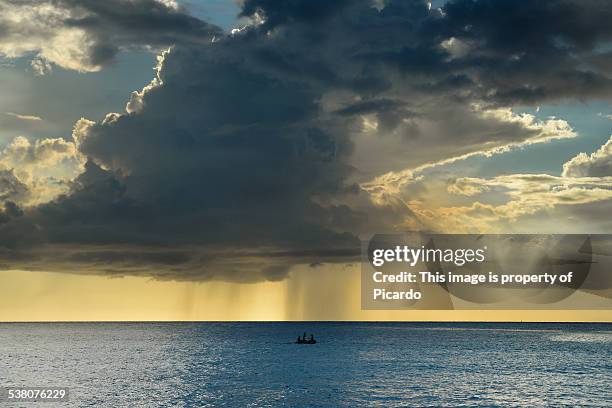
[353, 364]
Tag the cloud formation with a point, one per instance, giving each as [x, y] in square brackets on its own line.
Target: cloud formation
[86, 35]
[487, 133]
[597, 164]
[36, 172]
[245, 155]
[526, 194]
[532, 203]
[23, 117]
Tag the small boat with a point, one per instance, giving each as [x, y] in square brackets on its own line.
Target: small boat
[302, 340]
[306, 341]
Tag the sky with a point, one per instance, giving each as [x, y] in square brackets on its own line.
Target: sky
[222, 160]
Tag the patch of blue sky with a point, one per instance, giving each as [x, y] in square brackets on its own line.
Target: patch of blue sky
[62, 97]
[589, 121]
[223, 13]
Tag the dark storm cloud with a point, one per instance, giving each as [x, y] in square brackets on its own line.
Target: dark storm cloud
[535, 51]
[501, 51]
[236, 163]
[11, 188]
[370, 106]
[223, 158]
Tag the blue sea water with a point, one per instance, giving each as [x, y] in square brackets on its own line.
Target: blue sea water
[354, 364]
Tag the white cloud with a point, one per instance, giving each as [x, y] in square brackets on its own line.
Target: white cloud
[456, 47]
[603, 115]
[514, 131]
[31, 118]
[506, 203]
[39, 28]
[136, 102]
[440, 201]
[598, 163]
[43, 168]
[84, 36]
[41, 66]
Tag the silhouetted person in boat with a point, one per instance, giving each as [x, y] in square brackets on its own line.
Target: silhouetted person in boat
[302, 340]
